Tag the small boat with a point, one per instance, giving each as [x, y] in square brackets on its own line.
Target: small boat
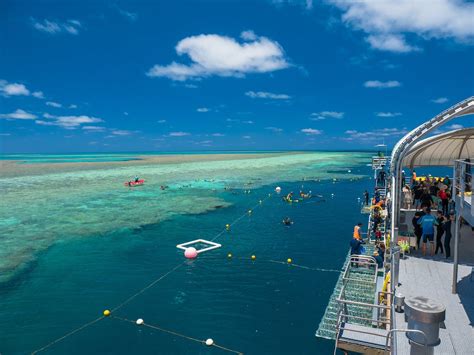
[134, 183]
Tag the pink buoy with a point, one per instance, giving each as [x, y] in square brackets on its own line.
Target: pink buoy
[190, 253]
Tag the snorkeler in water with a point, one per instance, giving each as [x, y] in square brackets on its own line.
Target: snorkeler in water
[287, 221]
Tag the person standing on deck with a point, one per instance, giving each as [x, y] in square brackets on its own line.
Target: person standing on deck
[417, 228]
[448, 222]
[439, 232]
[366, 197]
[357, 234]
[413, 177]
[427, 223]
[443, 196]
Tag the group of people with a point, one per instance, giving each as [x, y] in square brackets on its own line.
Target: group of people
[425, 225]
[431, 192]
[357, 246]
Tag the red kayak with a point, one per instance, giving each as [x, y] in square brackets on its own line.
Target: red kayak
[134, 183]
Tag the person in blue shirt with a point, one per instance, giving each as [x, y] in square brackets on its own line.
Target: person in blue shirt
[427, 223]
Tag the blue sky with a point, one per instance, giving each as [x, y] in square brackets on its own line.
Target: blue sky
[79, 76]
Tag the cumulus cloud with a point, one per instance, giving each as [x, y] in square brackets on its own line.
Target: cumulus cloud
[311, 131]
[67, 122]
[15, 89]
[179, 134]
[382, 84]
[18, 115]
[387, 114]
[53, 104]
[440, 100]
[318, 116]
[387, 22]
[213, 54]
[203, 109]
[218, 135]
[267, 95]
[161, 121]
[56, 27]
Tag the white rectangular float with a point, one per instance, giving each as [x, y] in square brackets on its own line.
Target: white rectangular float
[212, 245]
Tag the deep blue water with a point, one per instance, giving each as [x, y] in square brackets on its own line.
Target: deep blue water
[255, 307]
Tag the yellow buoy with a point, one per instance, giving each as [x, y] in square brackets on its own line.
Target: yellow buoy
[106, 313]
[227, 226]
[289, 261]
[253, 257]
[229, 255]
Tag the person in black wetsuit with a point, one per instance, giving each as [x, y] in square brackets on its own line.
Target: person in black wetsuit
[366, 197]
[448, 222]
[439, 232]
[426, 199]
[417, 228]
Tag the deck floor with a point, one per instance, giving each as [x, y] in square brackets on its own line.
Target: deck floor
[433, 278]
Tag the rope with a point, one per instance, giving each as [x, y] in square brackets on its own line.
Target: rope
[302, 266]
[153, 283]
[68, 334]
[239, 218]
[177, 334]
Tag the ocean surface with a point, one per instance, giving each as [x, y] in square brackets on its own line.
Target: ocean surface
[73, 244]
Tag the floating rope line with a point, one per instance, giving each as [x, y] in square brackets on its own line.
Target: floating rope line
[242, 216]
[153, 283]
[177, 334]
[302, 266]
[68, 334]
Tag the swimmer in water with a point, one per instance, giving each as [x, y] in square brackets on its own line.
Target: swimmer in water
[287, 221]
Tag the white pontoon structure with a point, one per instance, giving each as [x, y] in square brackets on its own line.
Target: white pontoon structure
[410, 304]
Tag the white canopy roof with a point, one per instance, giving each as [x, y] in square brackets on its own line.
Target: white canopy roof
[442, 150]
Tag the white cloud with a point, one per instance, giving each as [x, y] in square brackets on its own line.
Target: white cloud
[121, 132]
[248, 35]
[388, 114]
[307, 4]
[93, 128]
[455, 126]
[374, 135]
[246, 137]
[203, 109]
[56, 27]
[440, 100]
[72, 106]
[18, 115]
[125, 113]
[131, 16]
[13, 89]
[318, 116]
[311, 131]
[248, 122]
[223, 56]
[274, 129]
[267, 95]
[53, 104]
[391, 43]
[161, 121]
[190, 86]
[382, 84]
[386, 22]
[5, 134]
[68, 122]
[179, 134]
[218, 135]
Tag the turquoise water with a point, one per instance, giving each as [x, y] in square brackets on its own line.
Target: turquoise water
[86, 244]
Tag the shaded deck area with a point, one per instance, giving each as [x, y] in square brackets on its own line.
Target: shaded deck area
[432, 278]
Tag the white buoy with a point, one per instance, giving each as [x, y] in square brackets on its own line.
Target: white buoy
[278, 189]
[349, 171]
[139, 321]
[209, 342]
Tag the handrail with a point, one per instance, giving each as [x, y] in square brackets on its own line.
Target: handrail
[425, 343]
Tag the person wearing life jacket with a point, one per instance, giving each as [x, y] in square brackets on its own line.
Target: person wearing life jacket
[136, 178]
[357, 234]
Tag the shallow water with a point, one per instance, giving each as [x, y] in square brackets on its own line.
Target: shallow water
[84, 243]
